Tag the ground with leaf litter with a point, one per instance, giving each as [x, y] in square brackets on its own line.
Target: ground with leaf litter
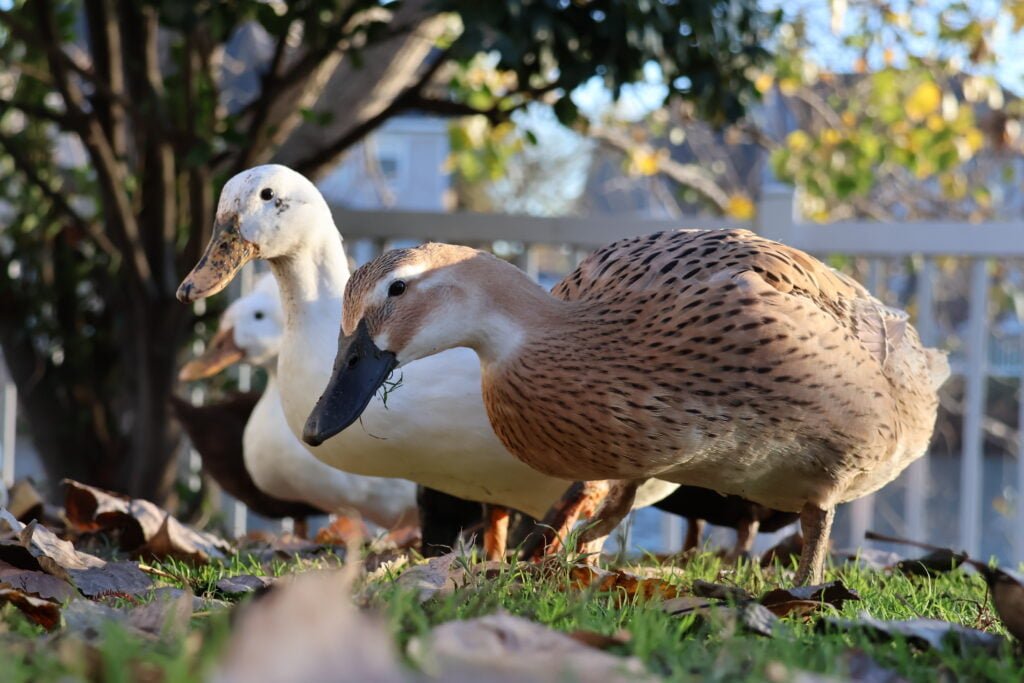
[114, 589]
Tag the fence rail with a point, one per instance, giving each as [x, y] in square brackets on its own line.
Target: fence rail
[777, 219]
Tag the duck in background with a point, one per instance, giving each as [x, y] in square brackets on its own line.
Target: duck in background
[700, 506]
[216, 431]
[429, 425]
[277, 463]
[717, 359]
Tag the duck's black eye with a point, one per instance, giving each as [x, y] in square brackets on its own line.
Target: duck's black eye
[258, 315]
[266, 194]
[396, 288]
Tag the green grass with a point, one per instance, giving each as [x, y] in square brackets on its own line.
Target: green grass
[678, 648]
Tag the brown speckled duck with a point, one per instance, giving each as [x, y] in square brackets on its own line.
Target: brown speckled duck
[717, 359]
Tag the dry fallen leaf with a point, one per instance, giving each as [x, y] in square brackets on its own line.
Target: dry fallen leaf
[244, 584]
[803, 600]
[143, 527]
[37, 583]
[113, 578]
[925, 633]
[502, 648]
[46, 613]
[435, 576]
[749, 617]
[343, 531]
[166, 616]
[33, 547]
[706, 589]
[600, 640]
[621, 582]
[308, 630]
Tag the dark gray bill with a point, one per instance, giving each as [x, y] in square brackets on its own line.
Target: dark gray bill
[359, 370]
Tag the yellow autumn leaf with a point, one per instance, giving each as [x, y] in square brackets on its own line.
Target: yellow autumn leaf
[849, 119]
[831, 136]
[764, 82]
[798, 141]
[935, 123]
[740, 207]
[924, 100]
[975, 139]
[789, 86]
[643, 162]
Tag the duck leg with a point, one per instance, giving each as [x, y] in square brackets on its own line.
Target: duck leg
[694, 531]
[496, 532]
[746, 532]
[615, 507]
[816, 525]
[581, 498]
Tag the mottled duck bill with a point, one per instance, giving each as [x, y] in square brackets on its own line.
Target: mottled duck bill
[222, 353]
[225, 254]
[360, 368]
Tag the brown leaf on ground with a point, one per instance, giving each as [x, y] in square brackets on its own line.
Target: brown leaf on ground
[308, 630]
[404, 537]
[244, 584]
[502, 648]
[37, 583]
[33, 547]
[924, 633]
[143, 528]
[688, 604]
[267, 546]
[803, 600]
[166, 616]
[605, 581]
[435, 576]
[46, 613]
[601, 641]
[343, 531]
[706, 589]
[113, 578]
[749, 617]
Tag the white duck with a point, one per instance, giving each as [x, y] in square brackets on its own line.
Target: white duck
[433, 428]
[250, 331]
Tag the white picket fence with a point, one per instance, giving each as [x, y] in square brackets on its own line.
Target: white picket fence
[369, 231]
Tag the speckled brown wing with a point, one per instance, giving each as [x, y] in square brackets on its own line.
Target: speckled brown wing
[737, 362]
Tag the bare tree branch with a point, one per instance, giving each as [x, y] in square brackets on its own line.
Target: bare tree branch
[106, 49]
[689, 175]
[109, 170]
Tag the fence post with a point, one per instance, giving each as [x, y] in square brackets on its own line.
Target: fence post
[916, 497]
[777, 213]
[971, 472]
[10, 427]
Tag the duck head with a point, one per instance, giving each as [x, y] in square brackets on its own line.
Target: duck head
[249, 331]
[404, 305]
[260, 215]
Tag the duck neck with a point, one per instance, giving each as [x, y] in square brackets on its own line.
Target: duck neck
[516, 312]
[312, 279]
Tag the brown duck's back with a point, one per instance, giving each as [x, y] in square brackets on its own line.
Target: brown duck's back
[724, 360]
